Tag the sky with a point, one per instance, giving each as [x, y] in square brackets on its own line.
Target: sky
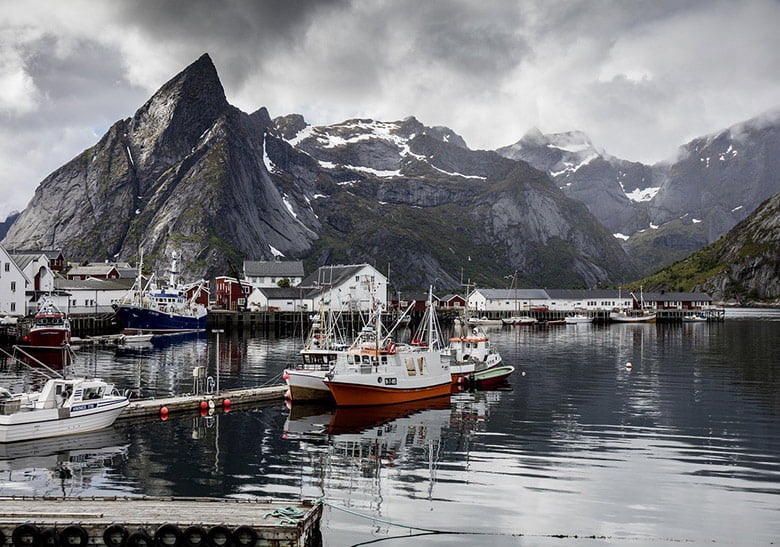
[639, 77]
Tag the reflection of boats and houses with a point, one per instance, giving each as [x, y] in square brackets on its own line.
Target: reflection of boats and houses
[353, 452]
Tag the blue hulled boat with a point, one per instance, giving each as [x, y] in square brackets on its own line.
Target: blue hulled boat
[168, 310]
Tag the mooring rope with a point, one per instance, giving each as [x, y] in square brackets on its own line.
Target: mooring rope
[287, 515]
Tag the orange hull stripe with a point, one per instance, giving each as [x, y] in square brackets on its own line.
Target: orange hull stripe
[358, 395]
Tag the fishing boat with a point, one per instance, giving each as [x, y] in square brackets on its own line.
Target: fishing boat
[577, 319]
[61, 407]
[470, 353]
[484, 320]
[627, 316]
[171, 309]
[50, 329]
[694, 318]
[377, 371]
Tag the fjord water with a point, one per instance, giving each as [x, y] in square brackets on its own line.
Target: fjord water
[683, 446]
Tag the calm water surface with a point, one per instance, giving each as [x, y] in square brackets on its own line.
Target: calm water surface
[682, 447]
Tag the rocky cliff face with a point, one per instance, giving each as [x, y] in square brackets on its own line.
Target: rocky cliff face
[189, 173]
[743, 265]
[184, 174]
[614, 190]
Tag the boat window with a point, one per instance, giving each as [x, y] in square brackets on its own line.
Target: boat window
[421, 365]
[351, 359]
[91, 393]
[384, 359]
[366, 359]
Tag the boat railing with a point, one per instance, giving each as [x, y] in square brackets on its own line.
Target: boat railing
[310, 366]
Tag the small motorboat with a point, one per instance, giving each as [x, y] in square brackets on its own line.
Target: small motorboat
[61, 407]
[578, 319]
[694, 318]
[490, 376]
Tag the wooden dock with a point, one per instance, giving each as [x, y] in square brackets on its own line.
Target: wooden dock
[193, 403]
[165, 522]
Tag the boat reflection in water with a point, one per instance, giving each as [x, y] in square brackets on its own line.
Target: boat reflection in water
[67, 465]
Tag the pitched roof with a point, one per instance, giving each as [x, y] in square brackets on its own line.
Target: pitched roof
[512, 294]
[583, 294]
[327, 276]
[23, 259]
[448, 297]
[675, 297]
[273, 268]
[51, 254]
[92, 284]
[102, 269]
[293, 293]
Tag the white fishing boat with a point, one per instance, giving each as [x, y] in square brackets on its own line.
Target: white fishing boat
[470, 352]
[306, 378]
[628, 316]
[61, 407]
[377, 371]
[578, 319]
[485, 321]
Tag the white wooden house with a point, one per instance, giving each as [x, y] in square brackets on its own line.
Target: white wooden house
[13, 286]
[279, 299]
[506, 301]
[260, 273]
[346, 287]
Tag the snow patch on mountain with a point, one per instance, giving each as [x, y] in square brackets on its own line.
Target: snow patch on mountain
[642, 194]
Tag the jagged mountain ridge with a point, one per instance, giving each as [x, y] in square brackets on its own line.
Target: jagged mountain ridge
[189, 173]
[741, 266]
[671, 208]
[183, 174]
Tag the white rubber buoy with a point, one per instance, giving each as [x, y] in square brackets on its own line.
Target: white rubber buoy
[629, 366]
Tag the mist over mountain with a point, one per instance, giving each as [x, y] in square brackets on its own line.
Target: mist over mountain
[664, 212]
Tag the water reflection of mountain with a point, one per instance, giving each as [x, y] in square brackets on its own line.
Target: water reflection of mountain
[69, 465]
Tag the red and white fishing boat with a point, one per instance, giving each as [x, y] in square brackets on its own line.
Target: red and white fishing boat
[377, 371]
[51, 328]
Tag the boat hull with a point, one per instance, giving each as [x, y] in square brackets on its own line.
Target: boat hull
[307, 385]
[55, 422]
[135, 319]
[363, 394]
[632, 318]
[48, 338]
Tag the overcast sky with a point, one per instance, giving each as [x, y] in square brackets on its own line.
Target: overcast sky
[639, 77]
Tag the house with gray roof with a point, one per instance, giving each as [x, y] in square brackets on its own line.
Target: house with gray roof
[267, 273]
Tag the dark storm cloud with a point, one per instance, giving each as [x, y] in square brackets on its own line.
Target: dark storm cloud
[243, 35]
[640, 77]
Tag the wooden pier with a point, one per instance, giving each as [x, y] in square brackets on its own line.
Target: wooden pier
[163, 522]
[224, 399]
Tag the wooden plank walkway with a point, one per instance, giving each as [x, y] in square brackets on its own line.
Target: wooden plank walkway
[278, 523]
[192, 403]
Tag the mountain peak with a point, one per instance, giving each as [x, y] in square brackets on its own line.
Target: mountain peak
[179, 113]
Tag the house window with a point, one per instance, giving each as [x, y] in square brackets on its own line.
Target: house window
[13, 306]
[8, 266]
[13, 286]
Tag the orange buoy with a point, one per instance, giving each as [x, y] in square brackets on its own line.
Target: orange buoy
[204, 405]
[286, 375]
[164, 410]
[226, 402]
[288, 395]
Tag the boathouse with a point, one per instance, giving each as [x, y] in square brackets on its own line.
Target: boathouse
[677, 300]
[284, 299]
[84, 296]
[231, 293]
[454, 302]
[99, 271]
[507, 301]
[588, 299]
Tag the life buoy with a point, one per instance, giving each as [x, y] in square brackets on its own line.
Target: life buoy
[391, 347]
